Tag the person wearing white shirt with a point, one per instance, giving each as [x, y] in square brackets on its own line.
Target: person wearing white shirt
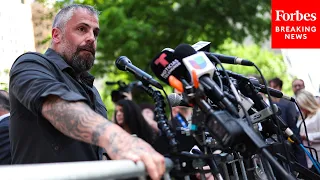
[311, 112]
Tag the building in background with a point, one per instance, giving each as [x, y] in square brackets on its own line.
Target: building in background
[301, 63]
[16, 34]
[304, 64]
[42, 17]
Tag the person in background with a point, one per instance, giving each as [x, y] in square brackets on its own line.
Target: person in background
[56, 114]
[311, 112]
[297, 85]
[147, 111]
[289, 115]
[287, 108]
[5, 150]
[128, 115]
[181, 115]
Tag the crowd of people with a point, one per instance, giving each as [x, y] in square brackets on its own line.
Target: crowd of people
[52, 107]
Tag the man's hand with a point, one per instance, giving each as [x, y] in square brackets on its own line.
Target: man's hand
[124, 146]
[208, 176]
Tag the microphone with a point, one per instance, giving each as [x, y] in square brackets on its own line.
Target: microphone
[124, 64]
[165, 65]
[176, 100]
[229, 59]
[261, 88]
[205, 46]
[200, 66]
[273, 92]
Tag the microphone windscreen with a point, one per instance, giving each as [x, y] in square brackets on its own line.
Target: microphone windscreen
[183, 50]
[177, 100]
[174, 99]
[164, 65]
[121, 63]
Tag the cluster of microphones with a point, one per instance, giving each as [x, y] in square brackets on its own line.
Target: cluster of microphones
[192, 70]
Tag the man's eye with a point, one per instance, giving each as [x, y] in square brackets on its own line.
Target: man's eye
[81, 29]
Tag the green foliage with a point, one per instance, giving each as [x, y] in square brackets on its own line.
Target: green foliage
[140, 29]
[5, 75]
[270, 64]
[105, 92]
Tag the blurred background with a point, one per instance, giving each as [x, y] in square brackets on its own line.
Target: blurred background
[140, 29]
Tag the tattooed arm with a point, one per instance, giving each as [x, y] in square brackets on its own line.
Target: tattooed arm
[77, 120]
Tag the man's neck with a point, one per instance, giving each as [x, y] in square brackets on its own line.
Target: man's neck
[3, 112]
[274, 99]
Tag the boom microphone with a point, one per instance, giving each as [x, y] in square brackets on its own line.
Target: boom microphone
[124, 64]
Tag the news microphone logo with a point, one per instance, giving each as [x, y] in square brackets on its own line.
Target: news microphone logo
[164, 65]
[198, 62]
[161, 60]
[295, 26]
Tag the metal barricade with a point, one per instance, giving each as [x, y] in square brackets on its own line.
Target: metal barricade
[88, 170]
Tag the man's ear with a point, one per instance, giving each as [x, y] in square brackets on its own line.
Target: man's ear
[56, 34]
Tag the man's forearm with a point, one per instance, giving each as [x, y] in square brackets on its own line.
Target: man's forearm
[77, 120]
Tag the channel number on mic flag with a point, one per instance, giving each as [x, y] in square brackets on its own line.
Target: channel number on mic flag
[295, 24]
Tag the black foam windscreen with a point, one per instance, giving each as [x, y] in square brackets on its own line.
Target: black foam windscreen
[183, 50]
[165, 64]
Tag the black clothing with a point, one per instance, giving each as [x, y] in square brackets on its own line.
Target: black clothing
[33, 77]
[289, 115]
[5, 153]
[178, 122]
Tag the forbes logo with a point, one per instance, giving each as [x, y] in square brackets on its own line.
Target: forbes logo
[281, 15]
[198, 62]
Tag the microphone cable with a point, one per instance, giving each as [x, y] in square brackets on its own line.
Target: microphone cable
[304, 125]
[314, 162]
[234, 91]
[274, 116]
[309, 153]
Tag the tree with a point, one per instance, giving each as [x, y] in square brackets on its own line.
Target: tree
[140, 29]
[270, 64]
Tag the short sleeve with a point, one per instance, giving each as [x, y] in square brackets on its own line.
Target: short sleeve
[32, 78]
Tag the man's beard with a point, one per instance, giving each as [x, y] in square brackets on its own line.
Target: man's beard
[83, 62]
[83, 59]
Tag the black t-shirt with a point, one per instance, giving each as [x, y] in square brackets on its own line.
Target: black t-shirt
[33, 139]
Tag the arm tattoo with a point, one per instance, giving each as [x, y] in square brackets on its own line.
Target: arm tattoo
[75, 119]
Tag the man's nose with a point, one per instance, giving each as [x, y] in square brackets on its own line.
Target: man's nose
[90, 37]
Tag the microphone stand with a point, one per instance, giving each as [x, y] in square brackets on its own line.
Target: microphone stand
[162, 121]
[230, 130]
